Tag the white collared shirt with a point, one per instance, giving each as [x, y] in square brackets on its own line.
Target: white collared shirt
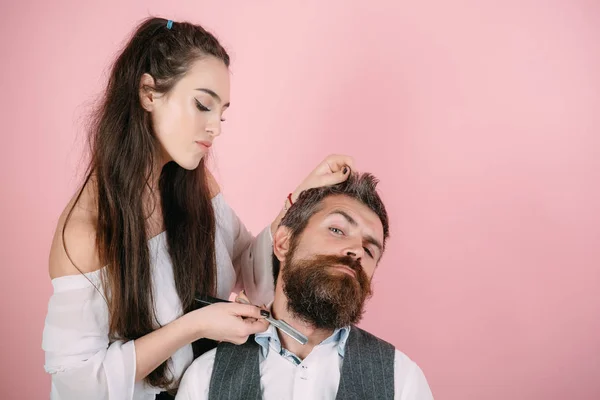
[285, 376]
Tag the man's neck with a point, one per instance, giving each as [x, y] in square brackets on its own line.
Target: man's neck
[315, 336]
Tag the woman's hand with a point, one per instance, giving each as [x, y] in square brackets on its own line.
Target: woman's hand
[227, 322]
[333, 170]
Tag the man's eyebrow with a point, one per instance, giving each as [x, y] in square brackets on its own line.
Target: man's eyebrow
[345, 215]
[374, 242]
[370, 239]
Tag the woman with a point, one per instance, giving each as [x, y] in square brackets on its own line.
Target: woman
[148, 231]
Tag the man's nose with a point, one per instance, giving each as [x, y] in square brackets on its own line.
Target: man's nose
[354, 250]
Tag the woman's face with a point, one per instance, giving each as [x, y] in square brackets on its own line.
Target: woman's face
[188, 118]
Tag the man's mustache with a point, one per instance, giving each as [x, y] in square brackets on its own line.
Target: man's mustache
[347, 261]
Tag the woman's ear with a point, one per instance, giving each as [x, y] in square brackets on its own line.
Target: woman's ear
[147, 98]
[281, 242]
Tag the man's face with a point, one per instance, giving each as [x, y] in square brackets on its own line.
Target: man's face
[328, 268]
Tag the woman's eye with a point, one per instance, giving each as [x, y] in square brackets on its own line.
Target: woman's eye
[336, 231]
[201, 106]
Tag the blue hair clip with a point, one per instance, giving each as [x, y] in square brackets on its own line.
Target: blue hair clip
[169, 24]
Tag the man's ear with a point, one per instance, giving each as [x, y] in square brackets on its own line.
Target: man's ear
[281, 242]
[147, 95]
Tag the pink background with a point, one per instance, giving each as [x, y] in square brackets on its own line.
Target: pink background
[480, 117]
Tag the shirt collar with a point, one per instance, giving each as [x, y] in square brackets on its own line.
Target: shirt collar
[269, 339]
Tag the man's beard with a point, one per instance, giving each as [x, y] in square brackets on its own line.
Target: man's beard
[321, 296]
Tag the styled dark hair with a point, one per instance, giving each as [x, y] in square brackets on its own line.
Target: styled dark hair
[124, 149]
[361, 187]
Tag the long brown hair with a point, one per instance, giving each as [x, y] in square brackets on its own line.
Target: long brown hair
[123, 150]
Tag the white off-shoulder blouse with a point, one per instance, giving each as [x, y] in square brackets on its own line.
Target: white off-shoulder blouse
[81, 360]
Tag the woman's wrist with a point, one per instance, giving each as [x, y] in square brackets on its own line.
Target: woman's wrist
[193, 327]
[287, 203]
[290, 199]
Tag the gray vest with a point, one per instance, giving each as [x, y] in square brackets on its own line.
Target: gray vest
[367, 371]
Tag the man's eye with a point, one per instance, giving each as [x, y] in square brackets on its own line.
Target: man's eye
[336, 231]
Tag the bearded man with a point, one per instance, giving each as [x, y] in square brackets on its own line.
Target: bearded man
[325, 253]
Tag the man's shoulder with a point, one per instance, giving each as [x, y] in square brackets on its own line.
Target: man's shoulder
[403, 361]
[400, 358]
[369, 337]
[205, 361]
[409, 379]
[196, 379]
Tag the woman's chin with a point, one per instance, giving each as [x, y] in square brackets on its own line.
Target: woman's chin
[189, 164]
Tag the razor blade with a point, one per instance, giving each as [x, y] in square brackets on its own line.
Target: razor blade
[277, 323]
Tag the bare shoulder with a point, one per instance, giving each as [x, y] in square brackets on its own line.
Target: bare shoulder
[78, 252]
